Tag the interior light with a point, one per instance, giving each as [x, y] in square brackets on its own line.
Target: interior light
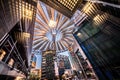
[73, 4]
[96, 17]
[2, 54]
[79, 34]
[99, 19]
[52, 23]
[68, 3]
[18, 78]
[27, 13]
[26, 35]
[89, 8]
[75, 1]
[22, 36]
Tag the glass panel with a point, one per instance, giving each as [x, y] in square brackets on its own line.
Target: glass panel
[88, 30]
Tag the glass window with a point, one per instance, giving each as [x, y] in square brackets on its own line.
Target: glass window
[2, 54]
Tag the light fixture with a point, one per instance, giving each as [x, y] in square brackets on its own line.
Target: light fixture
[22, 36]
[26, 35]
[96, 17]
[52, 23]
[89, 8]
[68, 3]
[27, 13]
[99, 19]
[79, 34]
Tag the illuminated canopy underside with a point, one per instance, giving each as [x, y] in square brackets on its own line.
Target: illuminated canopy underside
[43, 33]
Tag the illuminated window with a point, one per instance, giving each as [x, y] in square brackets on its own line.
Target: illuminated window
[11, 62]
[2, 54]
[33, 64]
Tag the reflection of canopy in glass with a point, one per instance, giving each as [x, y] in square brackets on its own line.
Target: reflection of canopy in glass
[43, 32]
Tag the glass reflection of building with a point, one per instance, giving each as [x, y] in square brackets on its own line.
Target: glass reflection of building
[101, 45]
[65, 60]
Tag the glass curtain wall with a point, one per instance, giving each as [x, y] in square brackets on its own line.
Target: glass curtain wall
[101, 46]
